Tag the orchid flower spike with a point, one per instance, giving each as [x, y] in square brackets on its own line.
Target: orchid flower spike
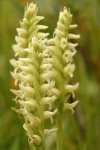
[42, 71]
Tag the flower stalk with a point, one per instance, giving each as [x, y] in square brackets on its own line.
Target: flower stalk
[42, 71]
[59, 132]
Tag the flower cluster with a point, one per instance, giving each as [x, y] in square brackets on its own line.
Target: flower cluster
[42, 69]
[62, 52]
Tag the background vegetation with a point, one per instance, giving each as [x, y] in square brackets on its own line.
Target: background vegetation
[81, 130]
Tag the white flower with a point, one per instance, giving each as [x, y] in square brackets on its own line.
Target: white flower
[71, 88]
[49, 114]
[48, 131]
[48, 101]
[70, 106]
[69, 69]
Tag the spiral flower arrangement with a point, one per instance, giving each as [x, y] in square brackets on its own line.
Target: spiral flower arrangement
[42, 71]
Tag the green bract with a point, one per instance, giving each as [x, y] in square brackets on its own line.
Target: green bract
[42, 71]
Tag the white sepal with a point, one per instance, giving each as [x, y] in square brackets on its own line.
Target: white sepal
[72, 26]
[73, 36]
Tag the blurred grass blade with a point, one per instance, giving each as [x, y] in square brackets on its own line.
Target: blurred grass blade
[4, 90]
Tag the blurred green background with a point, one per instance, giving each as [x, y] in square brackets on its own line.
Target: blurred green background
[81, 130]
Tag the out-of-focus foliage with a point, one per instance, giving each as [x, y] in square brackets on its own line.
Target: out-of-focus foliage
[81, 130]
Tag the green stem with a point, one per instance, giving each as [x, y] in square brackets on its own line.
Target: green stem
[59, 133]
[42, 126]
